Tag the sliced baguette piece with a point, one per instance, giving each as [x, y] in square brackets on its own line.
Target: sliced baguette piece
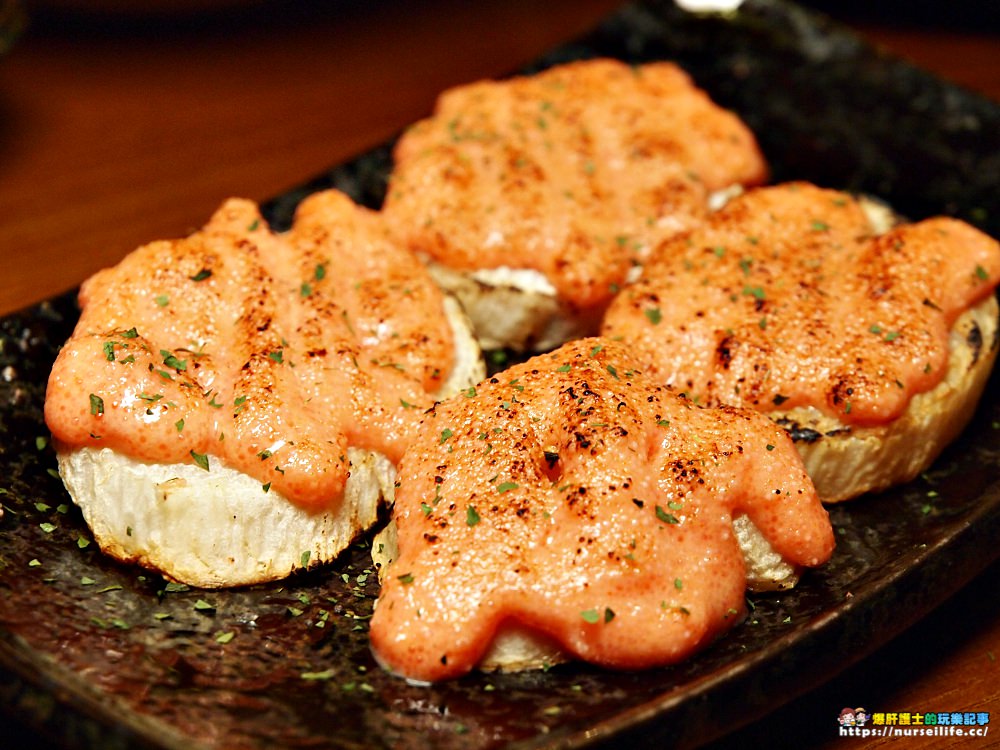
[534, 198]
[266, 364]
[847, 459]
[222, 528]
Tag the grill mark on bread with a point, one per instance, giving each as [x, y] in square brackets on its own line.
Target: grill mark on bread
[975, 340]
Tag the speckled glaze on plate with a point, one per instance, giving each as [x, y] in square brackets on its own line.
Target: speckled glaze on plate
[101, 655]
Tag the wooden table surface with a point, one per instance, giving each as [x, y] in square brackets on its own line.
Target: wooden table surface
[114, 136]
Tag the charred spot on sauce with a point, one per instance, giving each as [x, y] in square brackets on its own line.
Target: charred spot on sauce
[724, 351]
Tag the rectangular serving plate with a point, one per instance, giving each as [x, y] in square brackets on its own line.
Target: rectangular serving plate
[97, 654]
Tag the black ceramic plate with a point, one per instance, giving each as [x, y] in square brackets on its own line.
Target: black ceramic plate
[103, 655]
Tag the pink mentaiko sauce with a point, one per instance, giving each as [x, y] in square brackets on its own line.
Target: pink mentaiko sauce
[575, 172]
[574, 496]
[272, 353]
[785, 298]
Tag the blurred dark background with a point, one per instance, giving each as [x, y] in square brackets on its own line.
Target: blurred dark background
[955, 15]
[958, 14]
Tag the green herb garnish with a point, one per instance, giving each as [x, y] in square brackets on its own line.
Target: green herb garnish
[171, 361]
[200, 459]
[662, 515]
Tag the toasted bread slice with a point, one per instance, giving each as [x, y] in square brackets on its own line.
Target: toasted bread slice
[223, 528]
[262, 437]
[534, 198]
[563, 485]
[869, 339]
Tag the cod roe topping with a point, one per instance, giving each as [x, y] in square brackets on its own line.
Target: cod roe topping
[575, 172]
[575, 497]
[786, 298]
[273, 353]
